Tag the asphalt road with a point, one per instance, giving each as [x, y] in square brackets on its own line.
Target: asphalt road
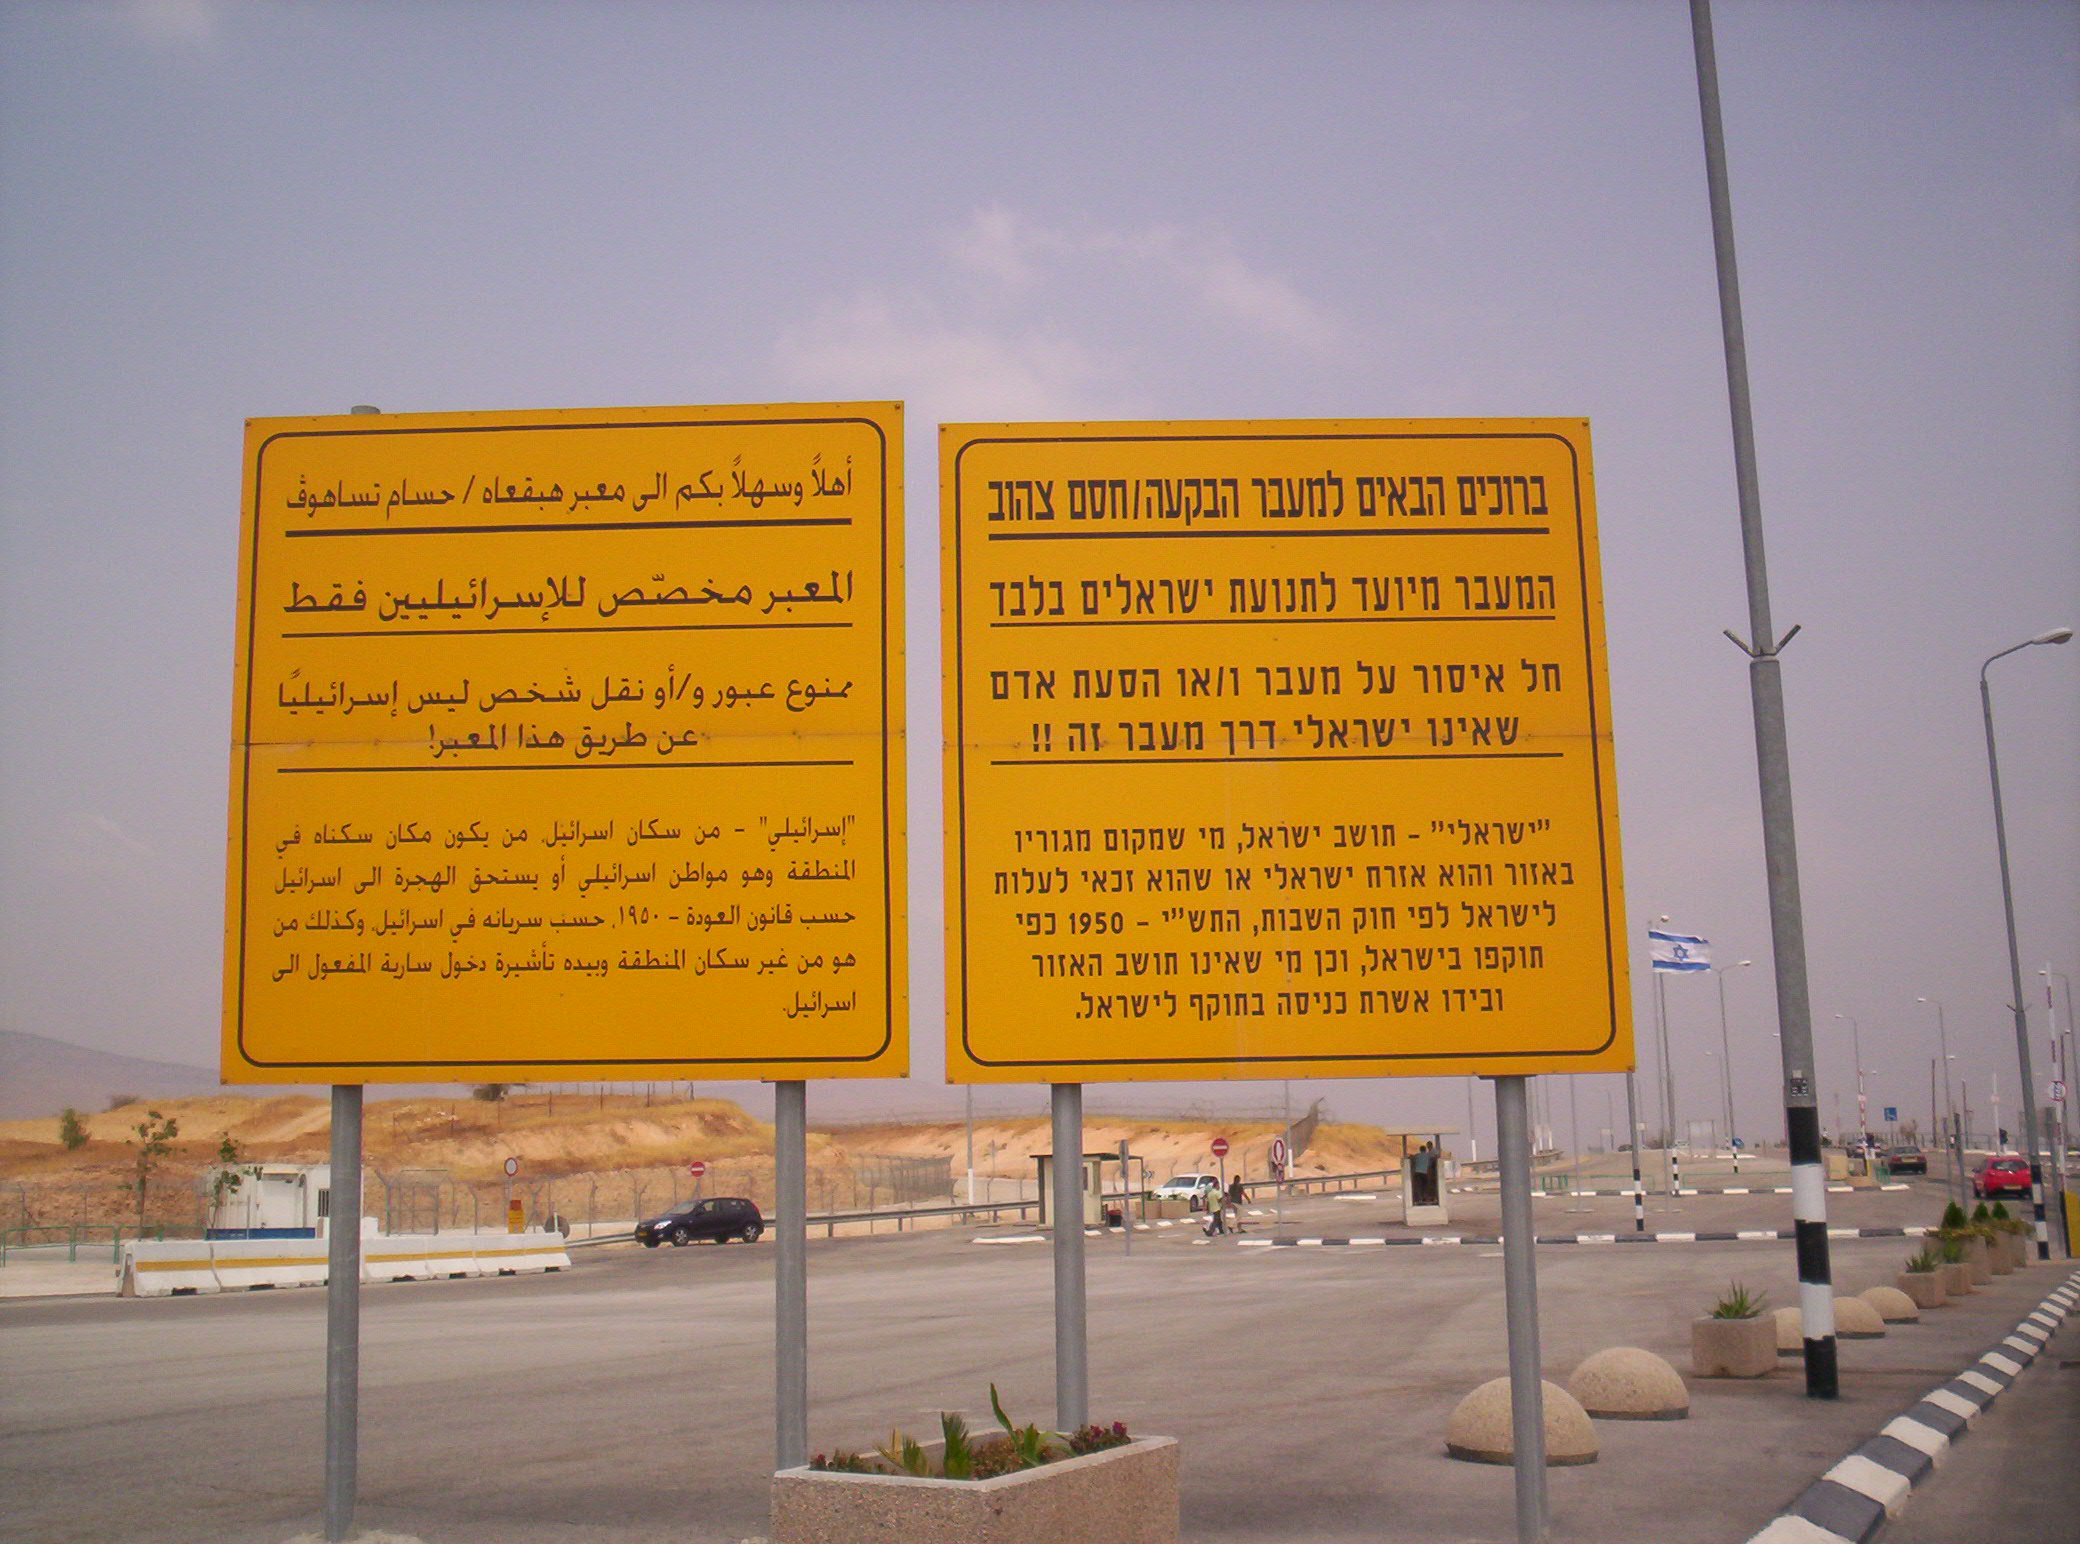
[630, 1400]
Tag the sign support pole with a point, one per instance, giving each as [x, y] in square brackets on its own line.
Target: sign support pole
[1520, 1297]
[1072, 1382]
[791, 1274]
[343, 1313]
[1126, 1204]
[1639, 1185]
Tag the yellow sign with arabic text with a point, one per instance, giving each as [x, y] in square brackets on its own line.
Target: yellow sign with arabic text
[1277, 750]
[569, 745]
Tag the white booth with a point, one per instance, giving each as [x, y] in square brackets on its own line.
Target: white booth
[1423, 1173]
[1093, 1186]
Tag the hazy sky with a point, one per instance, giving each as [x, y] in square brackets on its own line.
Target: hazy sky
[216, 209]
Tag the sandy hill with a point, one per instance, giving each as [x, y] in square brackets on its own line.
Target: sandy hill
[576, 1144]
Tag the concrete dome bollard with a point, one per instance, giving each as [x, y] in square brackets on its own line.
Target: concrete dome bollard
[1893, 1305]
[1854, 1319]
[1625, 1383]
[1480, 1430]
[1791, 1333]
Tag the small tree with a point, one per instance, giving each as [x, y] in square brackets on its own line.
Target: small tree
[230, 1176]
[117, 1101]
[490, 1093]
[72, 1130]
[153, 1141]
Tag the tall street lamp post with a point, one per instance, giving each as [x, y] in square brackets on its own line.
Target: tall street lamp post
[2062, 1058]
[2000, 837]
[1947, 1116]
[1863, 1124]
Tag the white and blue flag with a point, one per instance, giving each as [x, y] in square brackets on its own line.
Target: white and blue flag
[1678, 951]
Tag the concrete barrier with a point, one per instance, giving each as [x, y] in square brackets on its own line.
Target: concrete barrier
[179, 1267]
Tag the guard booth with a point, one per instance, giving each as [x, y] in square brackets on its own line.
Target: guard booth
[272, 1200]
[1423, 1173]
[1093, 1186]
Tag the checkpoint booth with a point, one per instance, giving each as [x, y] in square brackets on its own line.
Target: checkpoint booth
[269, 1200]
[1093, 1186]
[1424, 1170]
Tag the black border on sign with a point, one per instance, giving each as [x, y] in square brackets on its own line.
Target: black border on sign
[1596, 715]
[244, 748]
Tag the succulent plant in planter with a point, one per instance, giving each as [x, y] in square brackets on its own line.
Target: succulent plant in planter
[1922, 1278]
[1999, 1258]
[1973, 1246]
[1739, 1303]
[1020, 1485]
[1734, 1340]
[2011, 1233]
[1949, 1248]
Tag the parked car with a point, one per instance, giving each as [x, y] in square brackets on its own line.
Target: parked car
[1194, 1188]
[1906, 1160]
[718, 1219]
[2001, 1176]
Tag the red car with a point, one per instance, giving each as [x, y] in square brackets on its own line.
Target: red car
[2001, 1177]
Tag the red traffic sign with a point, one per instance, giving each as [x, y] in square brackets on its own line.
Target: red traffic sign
[1220, 1147]
[1278, 1152]
[512, 1167]
[696, 1168]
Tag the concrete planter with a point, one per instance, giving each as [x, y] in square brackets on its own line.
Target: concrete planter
[1957, 1279]
[1123, 1495]
[1978, 1258]
[1999, 1258]
[2018, 1247]
[1924, 1287]
[1733, 1348]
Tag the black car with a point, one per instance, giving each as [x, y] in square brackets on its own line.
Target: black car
[717, 1219]
[1906, 1160]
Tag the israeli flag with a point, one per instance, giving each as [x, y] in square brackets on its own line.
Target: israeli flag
[1678, 951]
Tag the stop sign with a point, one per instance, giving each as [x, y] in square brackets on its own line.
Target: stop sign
[696, 1168]
[1220, 1147]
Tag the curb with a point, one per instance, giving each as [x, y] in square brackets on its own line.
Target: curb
[1849, 1503]
[1730, 1236]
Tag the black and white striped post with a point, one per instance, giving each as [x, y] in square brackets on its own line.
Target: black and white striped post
[1639, 1185]
[1773, 766]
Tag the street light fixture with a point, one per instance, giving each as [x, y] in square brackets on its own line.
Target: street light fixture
[2000, 837]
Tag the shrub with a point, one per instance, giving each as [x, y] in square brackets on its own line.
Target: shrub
[72, 1131]
[1739, 1303]
[1095, 1439]
[842, 1462]
[964, 1456]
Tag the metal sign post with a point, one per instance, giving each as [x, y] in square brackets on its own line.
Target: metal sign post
[1072, 1374]
[1520, 1298]
[790, 1273]
[343, 1313]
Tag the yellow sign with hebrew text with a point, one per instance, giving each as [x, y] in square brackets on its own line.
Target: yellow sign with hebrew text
[569, 745]
[1277, 750]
